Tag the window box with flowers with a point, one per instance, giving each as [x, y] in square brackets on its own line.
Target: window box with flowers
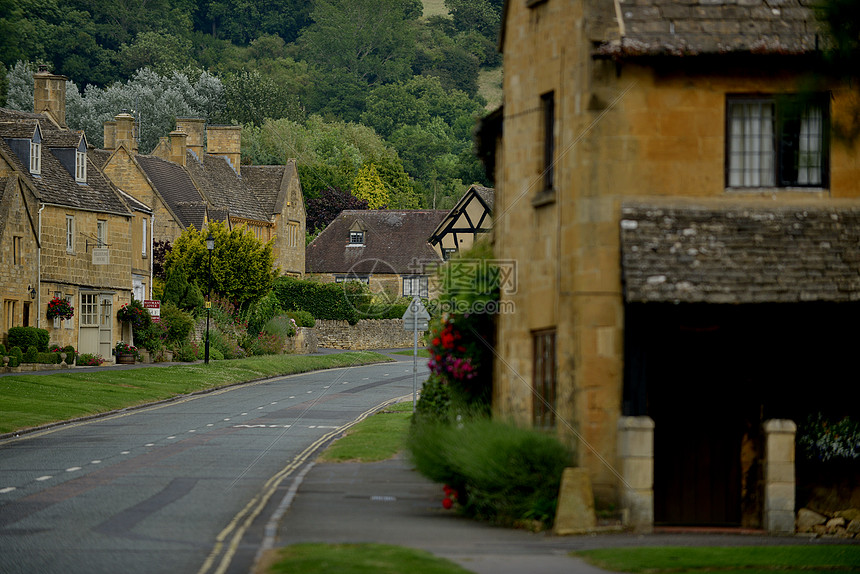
[60, 308]
[126, 354]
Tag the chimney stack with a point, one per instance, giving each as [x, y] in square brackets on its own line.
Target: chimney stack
[225, 141]
[177, 140]
[124, 132]
[49, 95]
[110, 135]
[194, 128]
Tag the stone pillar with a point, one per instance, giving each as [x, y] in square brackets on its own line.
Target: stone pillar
[177, 146]
[636, 464]
[225, 141]
[110, 135]
[124, 134]
[779, 478]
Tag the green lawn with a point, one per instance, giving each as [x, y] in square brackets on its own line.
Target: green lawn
[30, 400]
[376, 438]
[359, 559]
[490, 86]
[421, 353]
[745, 559]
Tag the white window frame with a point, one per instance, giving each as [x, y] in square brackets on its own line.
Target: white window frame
[80, 167]
[101, 232]
[69, 323]
[356, 237]
[143, 245]
[89, 315]
[70, 234]
[416, 285]
[35, 158]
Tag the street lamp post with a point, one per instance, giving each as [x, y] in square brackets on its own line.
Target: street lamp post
[210, 245]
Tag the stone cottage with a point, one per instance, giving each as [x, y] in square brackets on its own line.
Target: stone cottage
[673, 182]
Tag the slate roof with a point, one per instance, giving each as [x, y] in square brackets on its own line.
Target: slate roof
[55, 184]
[696, 27]
[394, 242]
[740, 254]
[264, 181]
[488, 194]
[224, 187]
[176, 187]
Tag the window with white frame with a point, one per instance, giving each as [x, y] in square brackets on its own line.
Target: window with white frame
[101, 232]
[356, 237]
[143, 244]
[35, 157]
[89, 316]
[777, 141]
[69, 323]
[58, 323]
[70, 233]
[416, 285]
[80, 167]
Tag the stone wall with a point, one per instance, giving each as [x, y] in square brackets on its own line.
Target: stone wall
[366, 334]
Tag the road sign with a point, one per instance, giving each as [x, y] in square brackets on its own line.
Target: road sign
[416, 315]
[154, 308]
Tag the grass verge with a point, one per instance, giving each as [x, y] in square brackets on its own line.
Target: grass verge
[746, 559]
[360, 559]
[421, 353]
[376, 438]
[30, 400]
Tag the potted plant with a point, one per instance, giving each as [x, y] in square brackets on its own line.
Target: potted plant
[60, 308]
[126, 354]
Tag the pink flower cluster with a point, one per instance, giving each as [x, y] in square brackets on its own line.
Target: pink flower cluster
[457, 368]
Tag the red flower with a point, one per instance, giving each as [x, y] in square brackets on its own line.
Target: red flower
[447, 503]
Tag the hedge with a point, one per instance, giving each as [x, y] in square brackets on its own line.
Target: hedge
[338, 301]
[26, 337]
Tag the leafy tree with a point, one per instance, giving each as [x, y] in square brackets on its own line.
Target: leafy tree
[180, 292]
[241, 21]
[162, 52]
[369, 187]
[160, 249]
[485, 16]
[331, 201]
[252, 98]
[242, 265]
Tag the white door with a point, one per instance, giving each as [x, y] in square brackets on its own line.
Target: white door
[88, 333]
[105, 325]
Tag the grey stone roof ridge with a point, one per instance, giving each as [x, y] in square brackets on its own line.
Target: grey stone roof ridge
[699, 27]
[740, 254]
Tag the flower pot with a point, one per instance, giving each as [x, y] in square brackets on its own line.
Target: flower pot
[125, 359]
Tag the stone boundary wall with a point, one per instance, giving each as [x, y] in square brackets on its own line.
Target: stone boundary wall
[366, 334]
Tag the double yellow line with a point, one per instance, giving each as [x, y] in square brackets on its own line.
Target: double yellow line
[228, 540]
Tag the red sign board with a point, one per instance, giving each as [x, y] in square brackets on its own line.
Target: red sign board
[154, 308]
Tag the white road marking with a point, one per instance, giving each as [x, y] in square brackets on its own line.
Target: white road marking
[7, 490]
[73, 469]
[44, 478]
[95, 462]
[327, 387]
[260, 408]
[274, 403]
[210, 425]
[292, 397]
[243, 414]
[171, 437]
[149, 444]
[345, 382]
[126, 452]
[192, 430]
[309, 392]
[226, 419]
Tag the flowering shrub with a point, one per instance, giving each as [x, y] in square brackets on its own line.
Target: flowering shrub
[824, 439]
[450, 358]
[60, 308]
[90, 360]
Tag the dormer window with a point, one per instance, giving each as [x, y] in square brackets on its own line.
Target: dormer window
[81, 163]
[356, 237]
[35, 157]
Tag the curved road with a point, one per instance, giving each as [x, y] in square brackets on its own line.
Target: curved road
[186, 486]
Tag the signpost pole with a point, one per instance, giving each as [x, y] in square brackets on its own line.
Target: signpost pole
[414, 358]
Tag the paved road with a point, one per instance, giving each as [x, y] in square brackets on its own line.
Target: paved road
[182, 487]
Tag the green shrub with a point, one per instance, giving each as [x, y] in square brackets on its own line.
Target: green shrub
[340, 301]
[2, 350]
[26, 337]
[262, 311]
[228, 347]
[434, 404]
[175, 323]
[503, 474]
[188, 351]
[215, 355]
[70, 354]
[16, 357]
[302, 318]
[31, 354]
[90, 360]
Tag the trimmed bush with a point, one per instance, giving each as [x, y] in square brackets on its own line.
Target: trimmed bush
[2, 350]
[26, 337]
[176, 323]
[339, 301]
[71, 354]
[302, 318]
[31, 354]
[503, 474]
[16, 357]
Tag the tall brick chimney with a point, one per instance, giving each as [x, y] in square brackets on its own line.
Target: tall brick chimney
[177, 140]
[124, 133]
[49, 95]
[225, 141]
[194, 127]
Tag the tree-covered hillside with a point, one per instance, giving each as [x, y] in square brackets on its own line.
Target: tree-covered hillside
[342, 85]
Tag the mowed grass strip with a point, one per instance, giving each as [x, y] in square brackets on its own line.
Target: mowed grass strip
[421, 353]
[30, 400]
[378, 437]
[804, 559]
[313, 558]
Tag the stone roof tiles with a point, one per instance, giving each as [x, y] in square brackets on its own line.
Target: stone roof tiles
[176, 187]
[224, 187]
[740, 254]
[395, 240]
[264, 181]
[697, 27]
